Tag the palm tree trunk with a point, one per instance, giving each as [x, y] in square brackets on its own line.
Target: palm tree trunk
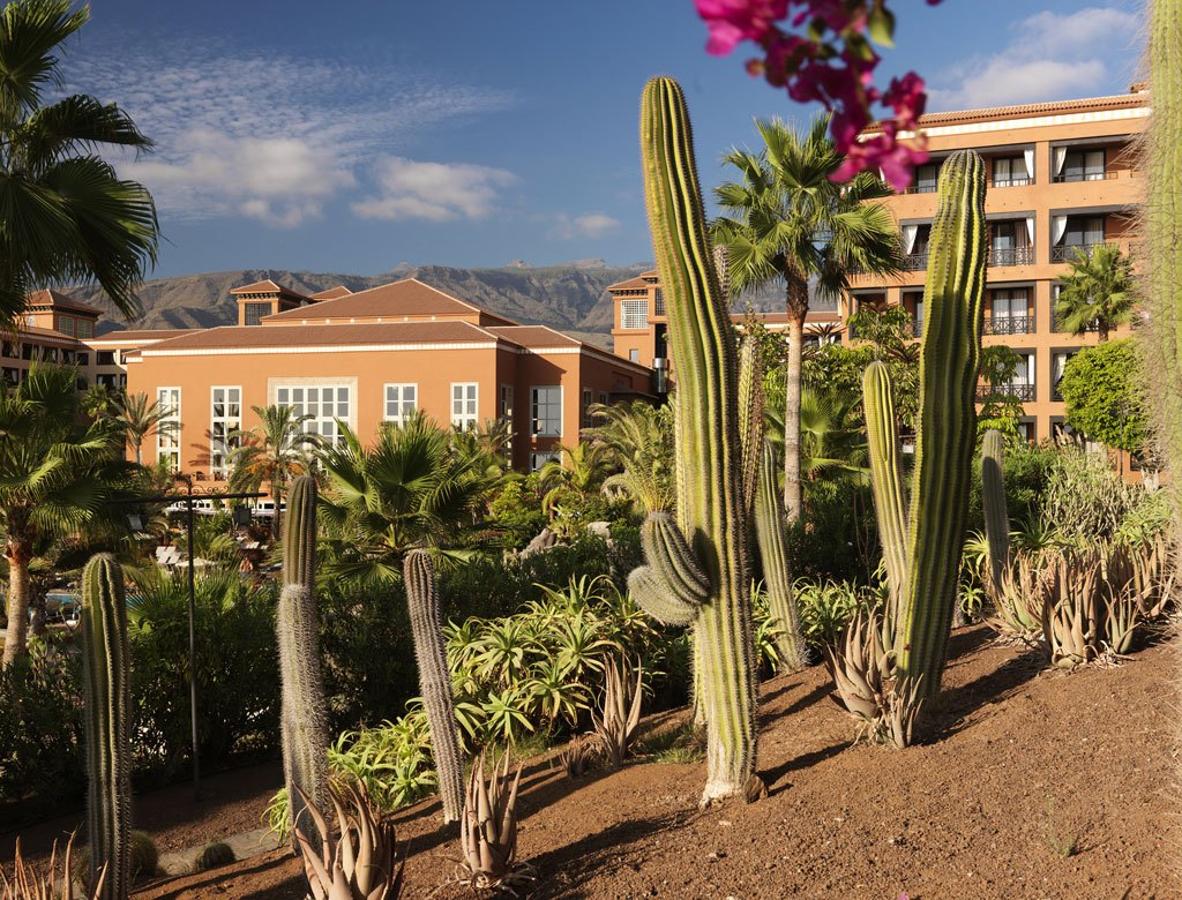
[793, 504]
[16, 638]
[1102, 330]
[277, 499]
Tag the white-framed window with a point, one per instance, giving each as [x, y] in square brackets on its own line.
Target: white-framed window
[546, 410]
[1010, 171]
[225, 418]
[464, 404]
[541, 457]
[324, 403]
[588, 399]
[505, 402]
[400, 402]
[634, 314]
[168, 431]
[634, 355]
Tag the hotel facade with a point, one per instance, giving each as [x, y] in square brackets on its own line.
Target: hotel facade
[1062, 179]
[360, 358]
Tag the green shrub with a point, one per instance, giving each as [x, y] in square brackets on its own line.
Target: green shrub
[516, 511]
[826, 607]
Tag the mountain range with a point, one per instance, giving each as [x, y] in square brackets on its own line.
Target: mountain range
[571, 297]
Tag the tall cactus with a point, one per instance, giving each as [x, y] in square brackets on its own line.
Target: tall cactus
[777, 574]
[106, 678]
[1161, 263]
[886, 479]
[993, 503]
[304, 721]
[698, 569]
[948, 371]
[434, 679]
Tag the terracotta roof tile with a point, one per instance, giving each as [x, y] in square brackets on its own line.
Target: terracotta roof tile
[534, 336]
[48, 333]
[1027, 110]
[331, 293]
[307, 336]
[145, 334]
[267, 286]
[50, 297]
[409, 297]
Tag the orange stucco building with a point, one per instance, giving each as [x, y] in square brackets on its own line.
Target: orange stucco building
[1062, 178]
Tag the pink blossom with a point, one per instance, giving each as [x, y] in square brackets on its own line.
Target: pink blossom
[732, 21]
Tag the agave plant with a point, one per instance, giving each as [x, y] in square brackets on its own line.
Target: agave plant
[488, 833]
[1020, 595]
[615, 725]
[359, 859]
[578, 755]
[54, 882]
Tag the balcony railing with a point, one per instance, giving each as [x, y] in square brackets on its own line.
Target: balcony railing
[917, 326]
[915, 262]
[1091, 328]
[1011, 256]
[1010, 182]
[1068, 252]
[926, 187]
[1056, 394]
[1085, 176]
[1010, 325]
[1023, 392]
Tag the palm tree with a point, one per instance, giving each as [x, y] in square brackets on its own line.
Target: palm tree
[273, 452]
[790, 223]
[140, 417]
[638, 438]
[1097, 292]
[833, 447]
[580, 470]
[52, 478]
[412, 488]
[68, 218]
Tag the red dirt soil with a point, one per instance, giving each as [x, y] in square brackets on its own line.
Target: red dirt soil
[1038, 784]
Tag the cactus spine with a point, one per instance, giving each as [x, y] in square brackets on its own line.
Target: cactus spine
[948, 368]
[304, 723]
[106, 678]
[709, 455]
[886, 478]
[993, 503]
[773, 553]
[434, 679]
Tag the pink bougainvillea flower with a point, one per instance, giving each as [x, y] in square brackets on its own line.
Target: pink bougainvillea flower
[733, 21]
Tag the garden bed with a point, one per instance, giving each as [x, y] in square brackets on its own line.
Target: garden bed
[1043, 784]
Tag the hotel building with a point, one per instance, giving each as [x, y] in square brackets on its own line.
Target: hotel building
[361, 358]
[1062, 179]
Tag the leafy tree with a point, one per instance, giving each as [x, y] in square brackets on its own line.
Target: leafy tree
[68, 218]
[410, 489]
[1104, 389]
[274, 452]
[788, 222]
[1097, 291]
[54, 477]
[1001, 407]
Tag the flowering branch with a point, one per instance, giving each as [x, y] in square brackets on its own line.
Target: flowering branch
[823, 53]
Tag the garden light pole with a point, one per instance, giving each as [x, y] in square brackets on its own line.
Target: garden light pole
[187, 498]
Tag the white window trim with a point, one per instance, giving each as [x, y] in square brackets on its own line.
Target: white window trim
[625, 318]
[174, 432]
[505, 410]
[533, 419]
[228, 448]
[400, 418]
[464, 420]
[539, 458]
[274, 386]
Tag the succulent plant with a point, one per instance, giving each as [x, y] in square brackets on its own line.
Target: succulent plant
[214, 856]
[578, 755]
[993, 502]
[619, 714]
[697, 568]
[106, 679]
[53, 882]
[434, 679]
[923, 571]
[356, 860]
[488, 833]
[1019, 597]
[303, 717]
[777, 574]
[1071, 610]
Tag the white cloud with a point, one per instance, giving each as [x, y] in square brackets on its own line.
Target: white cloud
[589, 225]
[433, 191]
[1052, 56]
[267, 136]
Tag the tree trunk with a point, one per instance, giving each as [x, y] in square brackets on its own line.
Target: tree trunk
[1102, 329]
[16, 639]
[276, 498]
[792, 494]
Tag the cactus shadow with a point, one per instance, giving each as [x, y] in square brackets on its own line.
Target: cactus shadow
[818, 693]
[956, 705]
[773, 775]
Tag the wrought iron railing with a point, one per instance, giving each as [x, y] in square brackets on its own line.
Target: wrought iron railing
[915, 262]
[1068, 252]
[1010, 325]
[1023, 392]
[1011, 256]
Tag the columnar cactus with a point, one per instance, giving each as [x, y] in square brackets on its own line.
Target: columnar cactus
[434, 680]
[948, 371]
[993, 502]
[777, 574]
[304, 722]
[886, 478]
[698, 570]
[106, 679]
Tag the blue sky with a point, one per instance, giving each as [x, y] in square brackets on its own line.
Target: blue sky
[351, 136]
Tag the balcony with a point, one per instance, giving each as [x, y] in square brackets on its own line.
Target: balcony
[1020, 391]
[1021, 181]
[1067, 252]
[1066, 177]
[926, 187]
[1010, 325]
[915, 262]
[1011, 256]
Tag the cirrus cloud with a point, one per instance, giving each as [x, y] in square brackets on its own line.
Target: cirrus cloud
[437, 192]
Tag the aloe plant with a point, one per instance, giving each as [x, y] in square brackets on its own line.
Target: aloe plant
[303, 715]
[923, 569]
[697, 568]
[106, 678]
